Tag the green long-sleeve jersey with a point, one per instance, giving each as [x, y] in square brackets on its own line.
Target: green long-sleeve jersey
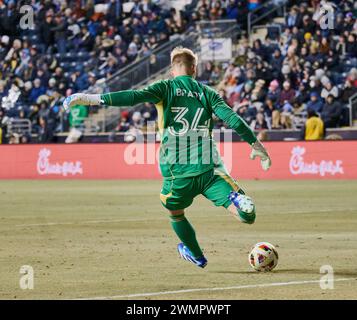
[185, 109]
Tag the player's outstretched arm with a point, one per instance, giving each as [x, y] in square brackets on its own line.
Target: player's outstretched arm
[235, 122]
[154, 94]
[82, 99]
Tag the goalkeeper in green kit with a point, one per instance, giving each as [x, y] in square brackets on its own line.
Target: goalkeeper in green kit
[189, 162]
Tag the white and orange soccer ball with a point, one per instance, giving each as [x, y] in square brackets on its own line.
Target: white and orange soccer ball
[263, 257]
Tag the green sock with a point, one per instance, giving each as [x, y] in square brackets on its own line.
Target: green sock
[186, 233]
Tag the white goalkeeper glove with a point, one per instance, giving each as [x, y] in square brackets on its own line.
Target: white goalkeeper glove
[82, 99]
[258, 150]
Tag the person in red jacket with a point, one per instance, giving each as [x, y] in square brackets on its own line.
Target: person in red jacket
[287, 94]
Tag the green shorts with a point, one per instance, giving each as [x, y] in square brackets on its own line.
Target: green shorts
[215, 185]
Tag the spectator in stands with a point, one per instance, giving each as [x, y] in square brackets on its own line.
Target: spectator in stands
[247, 111]
[287, 72]
[313, 128]
[340, 46]
[259, 92]
[25, 138]
[37, 90]
[259, 123]
[244, 96]
[303, 11]
[276, 63]
[232, 10]
[348, 91]
[148, 112]
[3, 126]
[302, 94]
[86, 40]
[287, 94]
[331, 112]
[315, 85]
[46, 31]
[206, 73]
[286, 115]
[216, 75]
[25, 97]
[271, 112]
[136, 120]
[329, 89]
[4, 46]
[351, 46]
[259, 49]
[292, 17]
[349, 22]
[14, 138]
[332, 61]
[262, 71]
[60, 33]
[274, 91]
[307, 24]
[123, 124]
[315, 103]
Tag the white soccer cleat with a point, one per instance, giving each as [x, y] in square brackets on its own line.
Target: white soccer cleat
[245, 207]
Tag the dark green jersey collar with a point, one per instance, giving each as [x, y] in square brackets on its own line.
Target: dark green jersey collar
[183, 76]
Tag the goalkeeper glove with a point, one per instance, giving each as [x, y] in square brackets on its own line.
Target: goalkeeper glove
[258, 150]
[82, 99]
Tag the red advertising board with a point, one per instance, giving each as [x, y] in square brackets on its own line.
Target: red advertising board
[290, 160]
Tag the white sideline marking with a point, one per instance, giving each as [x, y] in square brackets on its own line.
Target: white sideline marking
[249, 286]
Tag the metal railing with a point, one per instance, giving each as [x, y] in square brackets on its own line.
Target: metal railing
[273, 25]
[352, 108]
[20, 126]
[214, 28]
[266, 10]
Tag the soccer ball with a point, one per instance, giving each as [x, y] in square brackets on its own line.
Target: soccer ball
[263, 257]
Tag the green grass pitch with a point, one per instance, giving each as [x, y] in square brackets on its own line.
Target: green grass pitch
[112, 239]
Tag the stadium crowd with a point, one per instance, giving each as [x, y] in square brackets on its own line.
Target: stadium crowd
[76, 43]
[71, 45]
[304, 72]
[274, 83]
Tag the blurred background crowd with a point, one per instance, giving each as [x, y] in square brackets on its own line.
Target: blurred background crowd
[74, 44]
[305, 70]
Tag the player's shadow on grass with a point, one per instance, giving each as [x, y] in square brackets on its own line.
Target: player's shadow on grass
[341, 273]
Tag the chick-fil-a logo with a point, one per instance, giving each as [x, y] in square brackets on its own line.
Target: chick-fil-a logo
[45, 167]
[297, 164]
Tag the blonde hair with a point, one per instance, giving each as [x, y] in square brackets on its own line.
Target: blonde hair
[184, 56]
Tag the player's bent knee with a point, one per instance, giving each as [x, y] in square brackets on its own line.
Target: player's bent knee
[177, 215]
[176, 212]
